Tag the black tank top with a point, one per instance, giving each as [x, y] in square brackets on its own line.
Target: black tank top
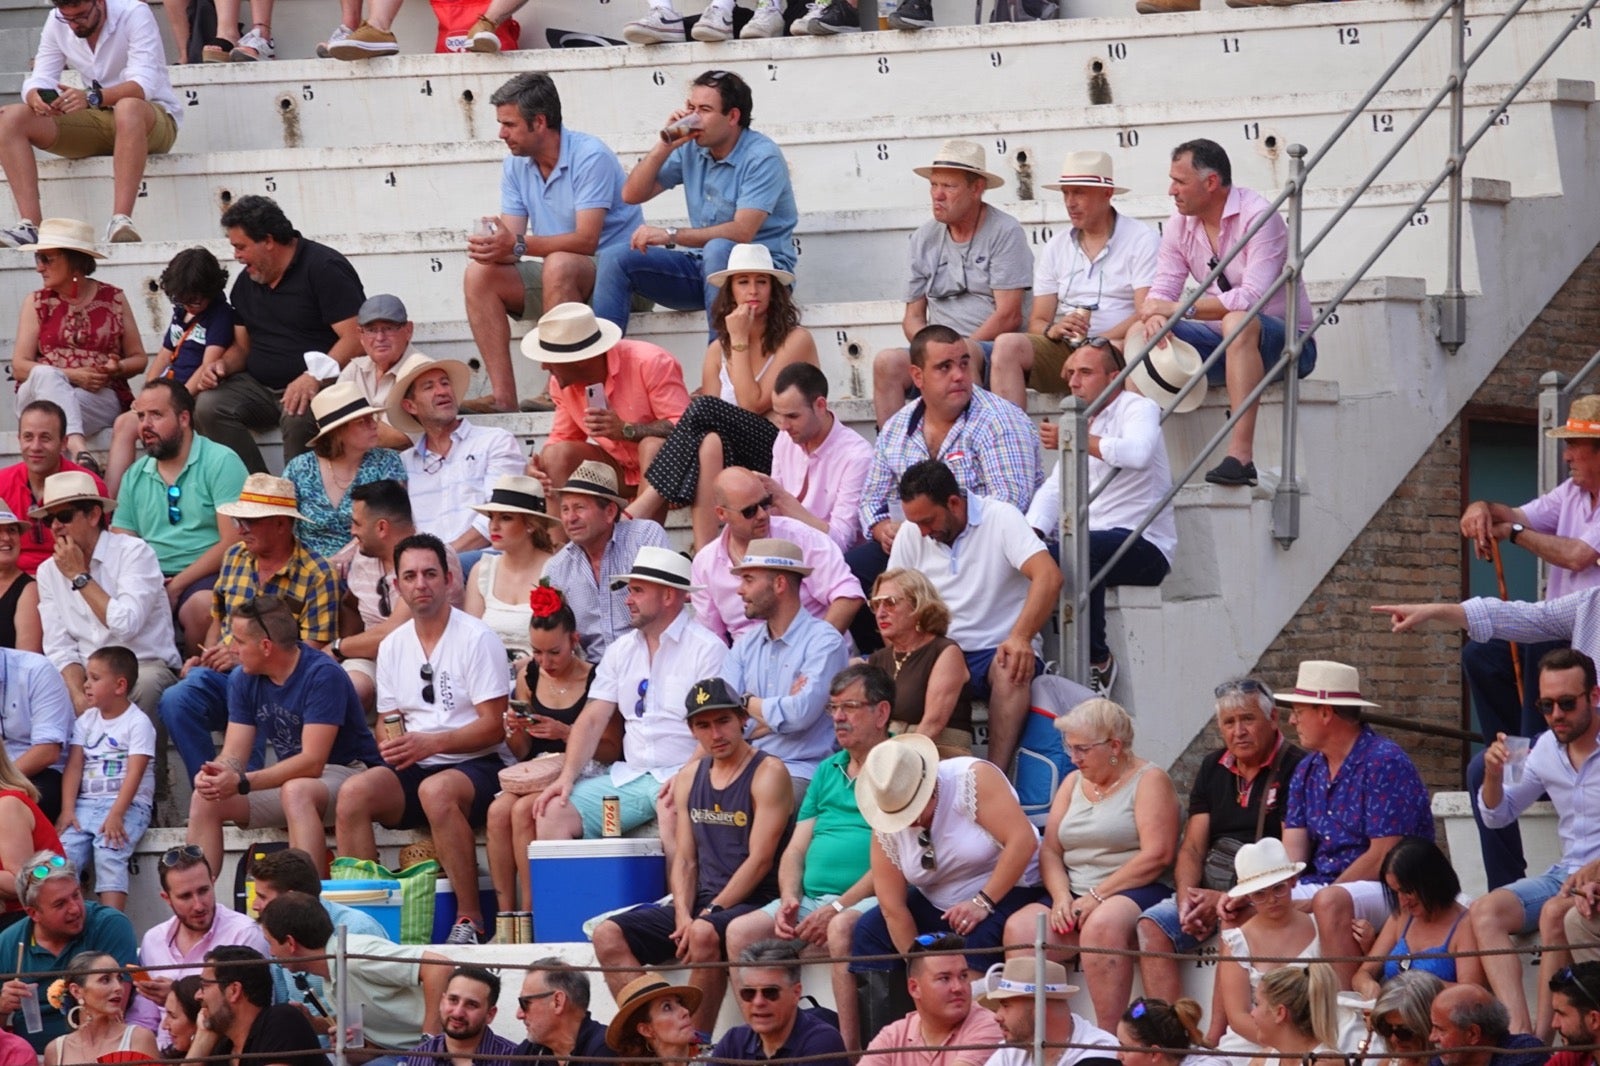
[564, 715]
[722, 820]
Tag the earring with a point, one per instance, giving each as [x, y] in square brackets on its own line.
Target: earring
[1113, 760]
[75, 1016]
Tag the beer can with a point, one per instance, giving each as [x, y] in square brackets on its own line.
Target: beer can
[392, 726]
[611, 816]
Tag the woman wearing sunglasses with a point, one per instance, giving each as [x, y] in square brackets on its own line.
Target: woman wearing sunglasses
[1166, 1034]
[655, 1021]
[1109, 843]
[1401, 1016]
[94, 994]
[932, 685]
[1425, 928]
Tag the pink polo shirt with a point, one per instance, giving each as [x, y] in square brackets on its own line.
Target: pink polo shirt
[828, 481]
[718, 607]
[644, 383]
[979, 1028]
[1567, 511]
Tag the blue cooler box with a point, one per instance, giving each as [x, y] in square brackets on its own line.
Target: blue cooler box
[378, 899]
[444, 906]
[574, 880]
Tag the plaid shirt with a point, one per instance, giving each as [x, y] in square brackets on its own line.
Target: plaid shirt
[993, 450]
[306, 583]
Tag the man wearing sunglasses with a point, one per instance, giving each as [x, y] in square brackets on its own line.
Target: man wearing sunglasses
[554, 1008]
[100, 588]
[768, 982]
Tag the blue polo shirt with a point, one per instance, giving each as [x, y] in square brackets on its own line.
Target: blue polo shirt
[213, 474]
[104, 929]
[587, 175]
[810, 1036]
[753, 176]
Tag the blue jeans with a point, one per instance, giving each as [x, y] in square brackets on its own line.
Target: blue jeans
[675, 279]
[1142, 565]
[196, 707]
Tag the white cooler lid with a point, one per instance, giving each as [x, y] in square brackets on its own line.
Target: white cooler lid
[607, 848]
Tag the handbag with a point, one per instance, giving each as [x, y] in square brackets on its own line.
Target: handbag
[532, 777]
[1217, 872]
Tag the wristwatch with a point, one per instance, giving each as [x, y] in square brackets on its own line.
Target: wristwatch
[80, 582]
[95, 96]
[520, 249]
[672, 237]
[630, 431]
[244, 785]
[1516, 531]
[334, 647]
[837, 906]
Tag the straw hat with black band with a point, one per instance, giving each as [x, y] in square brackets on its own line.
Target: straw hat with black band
[337, 405]
[658, 566]
[570, 333]
[516, 494]
[635, 998]
[594, 478]
[968, 157]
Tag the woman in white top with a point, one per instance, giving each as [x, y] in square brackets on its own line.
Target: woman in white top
[1296, 1013]
[94, 1003]
[1109, 844]
[1277, 929]
[1166, 1034]
[498, 588]
[729, 421]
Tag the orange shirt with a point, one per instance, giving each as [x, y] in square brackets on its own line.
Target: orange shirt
[644, 383]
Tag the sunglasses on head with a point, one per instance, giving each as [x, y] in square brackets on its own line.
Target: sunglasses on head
[1569, 976]
[1243, 684]
[182, 854]
[770, 993]
[1139, 1009]
[46, 868]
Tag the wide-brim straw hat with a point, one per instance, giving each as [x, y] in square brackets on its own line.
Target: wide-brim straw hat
[1583, 420]
[749, 259]
[516, 494]
[8, 517]
[658, 566]
[1019, 977]
[896, 781]
[637, 995]
[1262, 865]
[1171, 365]
[773, 553]
[1323, 682]
[967, 156]
[64, 234]
[69, 486]
[412, 367]
[1086, 170]
[264, 496]
[570, 333]
[594, 478]
[338, 404]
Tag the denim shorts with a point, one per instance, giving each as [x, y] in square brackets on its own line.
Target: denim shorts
[110, 864]
[1165, 917]
[1534, 892]
[1205, 336]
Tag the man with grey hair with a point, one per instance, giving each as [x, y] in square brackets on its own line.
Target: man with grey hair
[60, 924]
[554, 1006]
[560, 204]
[768, 984]
[1468, 1016]
[1238, 797]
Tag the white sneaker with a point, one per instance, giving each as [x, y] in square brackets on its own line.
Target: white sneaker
[120, 230]
[661, 25]
[802, 25]
[340, 32]
[716, 24]
[253, 46]
[767, 22]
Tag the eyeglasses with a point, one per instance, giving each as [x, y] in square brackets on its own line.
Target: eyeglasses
[1243, 684]
[1270, 892]
[878, 602]
[44, 259]
[243, 524]
[763, 504]
[44, 869]
[1568, 704]
[182, 855]
[524, 1001]
[1078, 751]
[174, 494]
[385, 608]
[835, 706]
[770, 993]
[1223, 284]
[929, 860]
[381, 331]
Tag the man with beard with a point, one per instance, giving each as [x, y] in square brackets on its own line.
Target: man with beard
[169, 498]
[936, 977]
[465, 1011]
[41, 440]
[1010, 991]
[1576, 992]
[554, 1007]
[242, 1020]
[197, 924]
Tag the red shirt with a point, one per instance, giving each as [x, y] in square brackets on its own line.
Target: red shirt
[44, 834]
[37, 542]
[644, 383]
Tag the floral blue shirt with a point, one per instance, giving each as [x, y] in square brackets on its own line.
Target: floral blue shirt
[327, 527]
[1378, 793]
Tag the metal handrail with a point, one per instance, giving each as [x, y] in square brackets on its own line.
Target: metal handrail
[1077, 494]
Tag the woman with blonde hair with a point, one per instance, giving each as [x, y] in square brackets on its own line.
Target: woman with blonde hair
[932, 686]
[24, 832]
[93, 995]
[500, 587]
[1107, 852]
[1297, 1014]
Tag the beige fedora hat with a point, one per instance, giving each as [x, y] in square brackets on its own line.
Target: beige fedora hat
[516, 494]
[1019, 977]
[264, 496]
[896, 781]
[1170, 366]
[1324, 682]
[69, 486]
[594, 478]
[749, 259]
[339, 403]
[1262, 865]
[58, 234]
[1086, 170]
[569, 333]
[772, 553]
[962, 155]
[1583, 420]
[659, 566]
[412, 367]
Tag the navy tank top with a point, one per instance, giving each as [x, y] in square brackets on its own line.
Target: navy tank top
[721, 820]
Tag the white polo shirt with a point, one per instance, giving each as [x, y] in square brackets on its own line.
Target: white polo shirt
[1126, 263]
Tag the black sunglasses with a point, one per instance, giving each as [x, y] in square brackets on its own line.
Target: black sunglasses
[929, 860]
[426, 673]
[770, 993]
[385, 607]
[763, 504]
[1568, 704]
[524, 1001]
[1223, 284]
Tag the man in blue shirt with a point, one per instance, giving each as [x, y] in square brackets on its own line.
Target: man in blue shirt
[560, 205]
[736, 184]
[768, 983]
[783, 667]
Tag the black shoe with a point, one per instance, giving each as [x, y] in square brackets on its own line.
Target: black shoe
[912, 15]
[839, 16]
[1232, 472]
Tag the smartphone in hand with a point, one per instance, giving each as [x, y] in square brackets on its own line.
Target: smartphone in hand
[49, 96]
[597, 397]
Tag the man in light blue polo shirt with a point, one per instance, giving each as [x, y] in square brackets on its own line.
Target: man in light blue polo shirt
[560, 206]
[736, 184]
[169, 497]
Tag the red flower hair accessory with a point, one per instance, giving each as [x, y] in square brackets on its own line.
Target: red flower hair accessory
[545, 600]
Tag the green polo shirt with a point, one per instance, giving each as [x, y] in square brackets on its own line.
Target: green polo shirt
[213, 474]
[841, 842]
[104, 929]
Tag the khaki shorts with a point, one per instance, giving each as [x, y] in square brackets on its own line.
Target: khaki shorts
[532, 271]
[266, 806]
[1049, 357]
[89, 132]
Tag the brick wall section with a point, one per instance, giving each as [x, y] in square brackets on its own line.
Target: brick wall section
[1411, 552]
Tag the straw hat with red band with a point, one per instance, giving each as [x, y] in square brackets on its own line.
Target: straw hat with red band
[1583, 420]
[1326, 683]
[1086, 170]
[264, 496]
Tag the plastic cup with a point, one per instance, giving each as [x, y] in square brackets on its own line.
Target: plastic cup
[1516, 757]
[356, 1027]
[483, 227]
[681, 127]
[30, 1011]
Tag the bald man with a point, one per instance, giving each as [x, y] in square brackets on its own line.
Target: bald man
[1468, 1016]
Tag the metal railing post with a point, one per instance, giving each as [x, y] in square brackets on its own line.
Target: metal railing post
[1039, 1003]
[341, 1002]
[1453, 304]
[1073, 471]
[1286, 500]
[1554, 399]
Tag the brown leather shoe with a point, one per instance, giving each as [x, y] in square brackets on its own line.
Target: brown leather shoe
[1166, 7]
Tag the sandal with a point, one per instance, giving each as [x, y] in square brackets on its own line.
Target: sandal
[217, 50]
[89, 463]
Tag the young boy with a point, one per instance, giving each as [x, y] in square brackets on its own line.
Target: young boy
[109, 785]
